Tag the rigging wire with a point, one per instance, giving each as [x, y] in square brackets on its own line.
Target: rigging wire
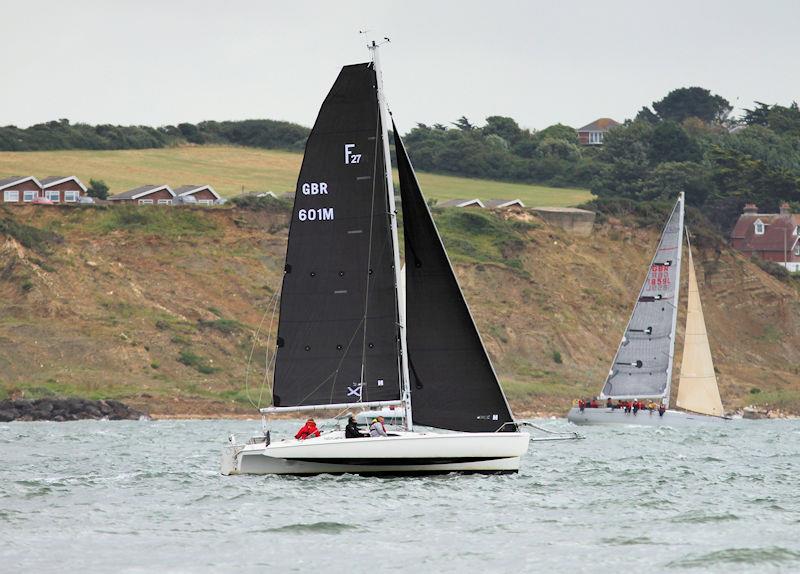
[253, 349]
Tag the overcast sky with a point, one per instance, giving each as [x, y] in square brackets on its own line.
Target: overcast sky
[160, 62]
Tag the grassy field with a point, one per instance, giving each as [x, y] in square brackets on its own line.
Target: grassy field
[231, 169]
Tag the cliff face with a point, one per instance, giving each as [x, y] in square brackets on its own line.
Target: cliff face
[160, 307]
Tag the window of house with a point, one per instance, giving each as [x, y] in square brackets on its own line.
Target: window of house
[164, 202]
[759, 226]
[53, 195]
[70, 196]
[11, 195]
[797, 249]
[206, 201]
[145, 202]
[28, 196]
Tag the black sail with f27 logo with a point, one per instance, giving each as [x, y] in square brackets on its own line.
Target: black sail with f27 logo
[338, 328]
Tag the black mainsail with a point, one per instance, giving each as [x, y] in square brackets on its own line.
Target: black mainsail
[642, 367]
[338, 329]
[453, 384]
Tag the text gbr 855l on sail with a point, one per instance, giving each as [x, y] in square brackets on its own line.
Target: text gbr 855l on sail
[642, 367]
[344, 340]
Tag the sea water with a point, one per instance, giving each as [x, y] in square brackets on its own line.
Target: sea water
[101, 496]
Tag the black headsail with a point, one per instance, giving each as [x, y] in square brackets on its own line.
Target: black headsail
[453, 384]
[338, 316]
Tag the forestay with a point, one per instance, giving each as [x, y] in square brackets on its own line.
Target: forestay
[697, 386]
[453, 383]
[642, 367]
[338, 329]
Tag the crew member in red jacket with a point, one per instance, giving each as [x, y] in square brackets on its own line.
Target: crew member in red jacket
[309, 429]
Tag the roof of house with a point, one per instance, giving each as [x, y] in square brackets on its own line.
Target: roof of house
[462, 203]
[780, 231]
[503, 203]
[52, 180]
[599, 125]
[141, 191]
[15, 179]
[192, 189]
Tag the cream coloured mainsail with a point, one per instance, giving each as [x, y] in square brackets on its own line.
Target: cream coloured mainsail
[697, 386]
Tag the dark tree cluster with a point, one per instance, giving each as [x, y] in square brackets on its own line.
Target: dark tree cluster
[501, 150]
[689, 144]
[62, 134]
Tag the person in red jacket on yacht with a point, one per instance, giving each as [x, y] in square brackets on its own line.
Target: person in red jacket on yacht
[309, 429]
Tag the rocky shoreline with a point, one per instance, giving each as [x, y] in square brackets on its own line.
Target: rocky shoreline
[71, 409]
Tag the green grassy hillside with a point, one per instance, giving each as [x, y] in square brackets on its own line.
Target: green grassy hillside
[231, 169]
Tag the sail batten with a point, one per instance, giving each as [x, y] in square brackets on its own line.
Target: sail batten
[642, 366]
[453, 384]
[697, 387]
[337, 332]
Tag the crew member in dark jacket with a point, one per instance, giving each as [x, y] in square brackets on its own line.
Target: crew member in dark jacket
[351, 430]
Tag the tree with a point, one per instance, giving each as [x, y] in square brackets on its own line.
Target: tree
[504, 127]
[625, 161]
[463, 124]
[97, 188]
[693, 102]
[647, 115]
[670, 178]
[191, 133]
[671, 143]
[558, 132]
[758, 116]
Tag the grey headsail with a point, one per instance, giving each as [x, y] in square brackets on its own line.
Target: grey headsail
[642, 367]
[453, 384]
[338, 327]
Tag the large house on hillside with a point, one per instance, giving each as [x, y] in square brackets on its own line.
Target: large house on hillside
[20, 189]
[771, 236]
[146, 195]
[593, 133]
[63, 188]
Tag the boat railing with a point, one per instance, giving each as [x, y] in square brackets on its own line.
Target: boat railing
[556, 435]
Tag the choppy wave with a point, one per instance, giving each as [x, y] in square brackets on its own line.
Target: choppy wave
[772, 556]
[313, 528]
[148, 497]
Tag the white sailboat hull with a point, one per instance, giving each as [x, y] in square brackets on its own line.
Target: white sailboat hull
[606, 416]
[403, 453]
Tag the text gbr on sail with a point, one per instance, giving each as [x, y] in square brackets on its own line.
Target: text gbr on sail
[314, 188]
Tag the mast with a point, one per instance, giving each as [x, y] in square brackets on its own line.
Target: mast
[384, 115]
[665, 400]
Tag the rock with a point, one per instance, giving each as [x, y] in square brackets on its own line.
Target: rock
[44, 405]
[71, 409]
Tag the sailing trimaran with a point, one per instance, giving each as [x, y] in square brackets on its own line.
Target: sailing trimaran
[642, 367]
[353, 335]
